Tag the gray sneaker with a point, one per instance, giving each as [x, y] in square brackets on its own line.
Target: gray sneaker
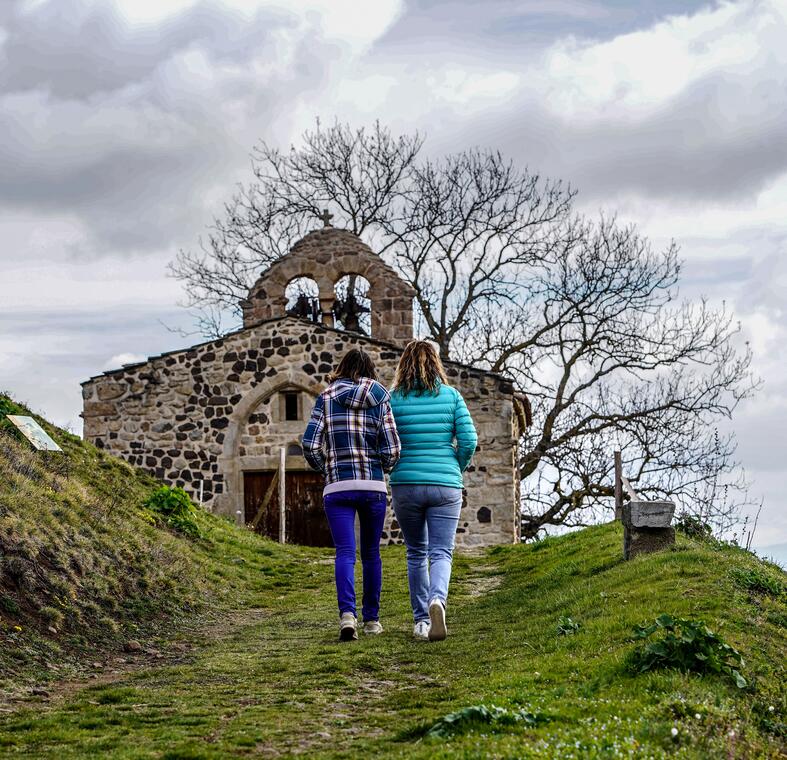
[421, 630]
[348, 627]
[372, 627]
[437, 628]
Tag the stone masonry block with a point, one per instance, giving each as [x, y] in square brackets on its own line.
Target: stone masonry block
[646, 541]
[648, 514]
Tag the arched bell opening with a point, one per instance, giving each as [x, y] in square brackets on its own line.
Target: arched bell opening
[303, 299]
[352, 308]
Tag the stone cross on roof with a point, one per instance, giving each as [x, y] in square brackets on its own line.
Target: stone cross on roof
[326, 218]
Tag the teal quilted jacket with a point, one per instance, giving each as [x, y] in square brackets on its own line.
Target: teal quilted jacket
[438, 437]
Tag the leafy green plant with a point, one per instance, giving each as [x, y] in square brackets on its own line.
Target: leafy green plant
[477, 716]
[758, 580]
[687, 645]
[566, 626]
[693, 527]
[175, 509]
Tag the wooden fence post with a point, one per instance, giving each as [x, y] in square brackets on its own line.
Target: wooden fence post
[282, 496]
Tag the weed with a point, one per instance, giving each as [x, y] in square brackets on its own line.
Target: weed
[693, 527]
[52, 616]
[175, 508]
[687, 645]
[566, 626]
[758, 580]
[480, 716]
[8, 604]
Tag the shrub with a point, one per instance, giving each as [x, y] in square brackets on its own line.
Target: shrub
[687, 645]
[175, 509]
[478, 716]
[758, 580]
[52, 616]
[693, 527]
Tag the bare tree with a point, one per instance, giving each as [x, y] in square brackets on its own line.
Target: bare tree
[584, 316]
[359, 174]
[613, 360]
[470, 226]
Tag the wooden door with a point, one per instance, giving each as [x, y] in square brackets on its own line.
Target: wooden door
[305, 518]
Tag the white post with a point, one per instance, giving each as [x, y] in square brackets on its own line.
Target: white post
[282, 495]
[201, 484]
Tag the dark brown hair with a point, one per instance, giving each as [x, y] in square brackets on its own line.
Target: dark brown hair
[354, 365]
[420, 368]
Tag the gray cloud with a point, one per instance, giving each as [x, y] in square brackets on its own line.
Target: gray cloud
[496, 26]
[72, 49]
[722, 137]
[682, 152]
[131, 129]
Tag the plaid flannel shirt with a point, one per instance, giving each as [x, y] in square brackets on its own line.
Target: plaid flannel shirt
[351, 435]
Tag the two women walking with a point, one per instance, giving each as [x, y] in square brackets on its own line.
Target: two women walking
[423, 435]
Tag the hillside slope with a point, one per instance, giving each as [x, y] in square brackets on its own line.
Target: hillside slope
[262, 674]
[83, 565]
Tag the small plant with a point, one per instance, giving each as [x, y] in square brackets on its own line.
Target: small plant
[7, 604]
[757, 580]
[693, 527]
[174, 507]
[52, 616]
[566, 626]
[8, 407]
[476, 716]
[687, 645]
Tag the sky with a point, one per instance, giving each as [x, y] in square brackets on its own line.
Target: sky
[124, 124]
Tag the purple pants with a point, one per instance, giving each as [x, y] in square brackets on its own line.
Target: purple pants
[341, 508]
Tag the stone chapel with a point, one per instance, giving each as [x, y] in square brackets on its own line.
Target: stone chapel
[214, 417]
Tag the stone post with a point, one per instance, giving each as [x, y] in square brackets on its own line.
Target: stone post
[646, 527]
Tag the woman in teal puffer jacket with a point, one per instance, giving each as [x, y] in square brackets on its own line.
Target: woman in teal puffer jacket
[438, 439]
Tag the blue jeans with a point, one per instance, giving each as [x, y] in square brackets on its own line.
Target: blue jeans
[428, 517]
[341, 507]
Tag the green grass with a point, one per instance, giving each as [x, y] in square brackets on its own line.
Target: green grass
[84, 567]
[258, 671]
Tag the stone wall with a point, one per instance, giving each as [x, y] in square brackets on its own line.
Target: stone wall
[327, 255]
[208, 413]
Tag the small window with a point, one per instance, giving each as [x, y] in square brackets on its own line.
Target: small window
[294, 450]
[291, 406]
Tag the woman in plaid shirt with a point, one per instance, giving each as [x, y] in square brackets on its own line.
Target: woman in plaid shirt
[351, 438]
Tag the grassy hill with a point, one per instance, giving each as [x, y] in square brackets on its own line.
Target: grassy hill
[85, 567]
[239, 654]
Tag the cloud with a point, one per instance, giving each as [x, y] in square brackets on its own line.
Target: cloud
[137, 129]
[689, 109]
[518, 26]
[118, 360]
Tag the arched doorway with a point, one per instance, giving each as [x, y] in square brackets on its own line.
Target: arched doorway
[267, 421]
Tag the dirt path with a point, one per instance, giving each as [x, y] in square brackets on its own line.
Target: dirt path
[271, 681]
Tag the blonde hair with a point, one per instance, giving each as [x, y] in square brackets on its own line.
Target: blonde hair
[420, 369]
